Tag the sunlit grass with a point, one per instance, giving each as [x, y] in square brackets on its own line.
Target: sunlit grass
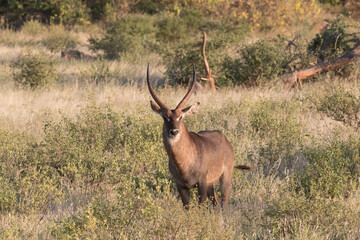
[74, 130]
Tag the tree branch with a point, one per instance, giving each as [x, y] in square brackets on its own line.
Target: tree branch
[207, 68]
[295, 78]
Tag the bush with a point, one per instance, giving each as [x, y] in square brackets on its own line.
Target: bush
[171, 30]
[334, 42]
[181, 29]
[81, 150]
[278, 126]
[180, 59]
[332, 2]
[130, 35]
[135, 35]
[262, 61]
[148, 7]
[320, 189]
[332, 171]
[66, 12]
[89, 153]
[73, 12]
[22, 10]
[135, 212]
[27, 184]
[34, 70]
[33, 28]
[98, 73]
[58, 39]
[291, 215]
[342, 106]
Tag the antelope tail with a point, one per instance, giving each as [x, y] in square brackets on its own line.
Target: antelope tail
[244, 167]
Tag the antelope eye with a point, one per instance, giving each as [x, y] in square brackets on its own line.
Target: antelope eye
[179, 118]
[166, 118]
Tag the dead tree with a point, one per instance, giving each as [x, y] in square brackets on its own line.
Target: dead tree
[209, 77]
[294, 78]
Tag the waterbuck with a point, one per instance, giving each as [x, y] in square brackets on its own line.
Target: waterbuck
[195, 159]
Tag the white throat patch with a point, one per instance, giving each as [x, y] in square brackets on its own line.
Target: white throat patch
[173, 140]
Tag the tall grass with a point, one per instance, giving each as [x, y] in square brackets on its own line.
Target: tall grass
[95, 155]
[85, 160]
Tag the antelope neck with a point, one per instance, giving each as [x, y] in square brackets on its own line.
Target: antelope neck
[180, 148]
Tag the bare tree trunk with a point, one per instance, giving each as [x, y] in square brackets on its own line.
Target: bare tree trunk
[207, 68]
[295, 78]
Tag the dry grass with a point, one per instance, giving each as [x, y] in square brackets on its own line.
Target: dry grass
[263, 204]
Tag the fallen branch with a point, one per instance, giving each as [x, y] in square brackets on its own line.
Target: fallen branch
[207, 68]
[294, 78]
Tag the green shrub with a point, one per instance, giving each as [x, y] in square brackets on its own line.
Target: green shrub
[261, 61]
[181, 29]
[97, 150]
[58, 39]
[27, 184]
[134, 35]
[98, 73]
[135, 212]
[19, 10]
[33, 28]
[171, 30]
[179, 62]
[73, 12]
[321, 190]
[81, 150]
[332, 171]
[291, 215]
[33, 70]
[66, 12]
[332, 2]
[278, 126]
[342, 106]
[100, 146]
[334, 42]
[180, 59]
[130, 35]
[148, 7]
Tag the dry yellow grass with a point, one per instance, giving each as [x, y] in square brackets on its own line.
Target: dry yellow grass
[263, 206]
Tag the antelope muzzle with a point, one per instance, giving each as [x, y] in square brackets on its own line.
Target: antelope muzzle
[173, 132]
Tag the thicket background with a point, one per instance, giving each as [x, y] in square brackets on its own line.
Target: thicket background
[81, 152]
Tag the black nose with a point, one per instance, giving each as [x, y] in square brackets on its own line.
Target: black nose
[174, 132]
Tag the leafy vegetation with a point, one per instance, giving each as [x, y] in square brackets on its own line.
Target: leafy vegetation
[59, 39]
[70, 12]
[34, 70]
[263, 60]
[83, 157]
[179, 60]
[333, 171]
[127, 36]
[109, 165]
[251, 64]
[98, 73]
[333, 42]
[341, 105]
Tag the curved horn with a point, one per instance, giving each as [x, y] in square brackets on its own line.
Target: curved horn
[152, 92]
[190, 91]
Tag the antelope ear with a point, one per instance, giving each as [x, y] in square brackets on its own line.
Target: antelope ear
[191, 110]
[155, 108]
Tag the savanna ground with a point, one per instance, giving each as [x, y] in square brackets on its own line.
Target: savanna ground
[82, 158]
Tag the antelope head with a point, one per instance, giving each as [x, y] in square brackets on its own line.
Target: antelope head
[174, 126]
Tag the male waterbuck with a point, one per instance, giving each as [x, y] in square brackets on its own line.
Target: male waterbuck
[195, 159]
